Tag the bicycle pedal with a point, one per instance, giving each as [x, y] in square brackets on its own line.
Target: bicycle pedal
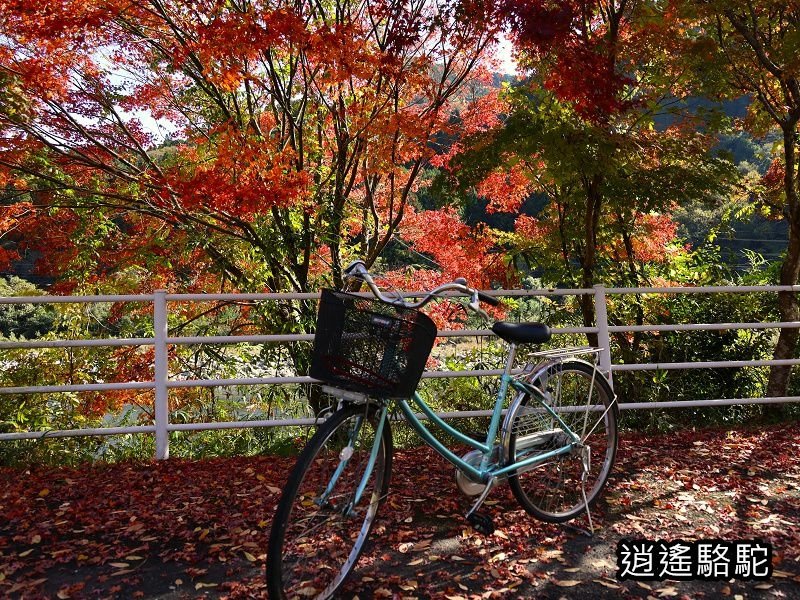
[481, 522]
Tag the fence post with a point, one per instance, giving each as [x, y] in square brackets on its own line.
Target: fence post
[603, 338]
[161, 373]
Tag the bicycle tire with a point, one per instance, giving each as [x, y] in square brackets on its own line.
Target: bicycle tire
[308, 538]
[543, 490]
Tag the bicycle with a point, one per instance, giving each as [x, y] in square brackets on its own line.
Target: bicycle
[556, 445]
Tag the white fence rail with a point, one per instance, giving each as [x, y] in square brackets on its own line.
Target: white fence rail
[161, 341]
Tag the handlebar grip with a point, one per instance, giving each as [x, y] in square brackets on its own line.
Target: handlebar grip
[354, 266]
[491, 300]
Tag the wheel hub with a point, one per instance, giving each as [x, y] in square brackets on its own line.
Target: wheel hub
[467, 485]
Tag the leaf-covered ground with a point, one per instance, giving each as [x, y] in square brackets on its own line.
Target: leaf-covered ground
[178, 529]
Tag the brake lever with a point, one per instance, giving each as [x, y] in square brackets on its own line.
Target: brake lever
[453, 315]
[475, 305]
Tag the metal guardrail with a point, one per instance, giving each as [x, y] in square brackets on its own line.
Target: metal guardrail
[161, 340]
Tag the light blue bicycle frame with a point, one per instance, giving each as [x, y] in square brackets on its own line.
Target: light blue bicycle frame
[486, 470]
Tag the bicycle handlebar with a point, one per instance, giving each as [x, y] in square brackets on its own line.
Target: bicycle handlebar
[358, 269]
[490, 300]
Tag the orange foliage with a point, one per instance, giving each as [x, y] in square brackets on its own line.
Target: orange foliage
[242, 179]
[505, 190]
[654, 233]
[12, 218]
[460, 250]
[574, 39]
[297, 128]
[773, 184]
[532, 228]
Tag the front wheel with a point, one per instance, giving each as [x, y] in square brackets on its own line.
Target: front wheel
[321, 526]
[559, 489]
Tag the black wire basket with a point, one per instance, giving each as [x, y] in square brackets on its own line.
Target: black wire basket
[368, 346]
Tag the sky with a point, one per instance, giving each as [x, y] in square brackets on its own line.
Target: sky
[508, 66]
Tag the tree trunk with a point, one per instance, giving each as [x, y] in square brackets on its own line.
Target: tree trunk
[789, 311]
[589, 259]
[787, 301]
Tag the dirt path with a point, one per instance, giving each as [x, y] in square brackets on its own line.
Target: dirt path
[181, 529]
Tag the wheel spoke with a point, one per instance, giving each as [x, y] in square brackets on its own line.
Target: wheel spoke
[315, 540]
[561, 488]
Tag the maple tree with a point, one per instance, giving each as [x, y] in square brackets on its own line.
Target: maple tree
[582, 130]
[297, 135]
[577, 46]
[751, 48]
[303, 127]
[302, 135]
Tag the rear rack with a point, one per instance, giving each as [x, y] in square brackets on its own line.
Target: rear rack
[557, 355]
[567, 352]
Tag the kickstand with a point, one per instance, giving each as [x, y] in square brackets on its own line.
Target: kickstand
[586, 461]
[482, 497]
[480, 521]
[578, 529]
[587, 532]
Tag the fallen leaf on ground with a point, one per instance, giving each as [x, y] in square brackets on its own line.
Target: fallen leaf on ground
[200, 585]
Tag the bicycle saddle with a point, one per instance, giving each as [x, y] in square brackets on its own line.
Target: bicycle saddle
[522, 333]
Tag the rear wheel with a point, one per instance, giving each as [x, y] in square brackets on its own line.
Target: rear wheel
[559, 489]
[319, 529]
